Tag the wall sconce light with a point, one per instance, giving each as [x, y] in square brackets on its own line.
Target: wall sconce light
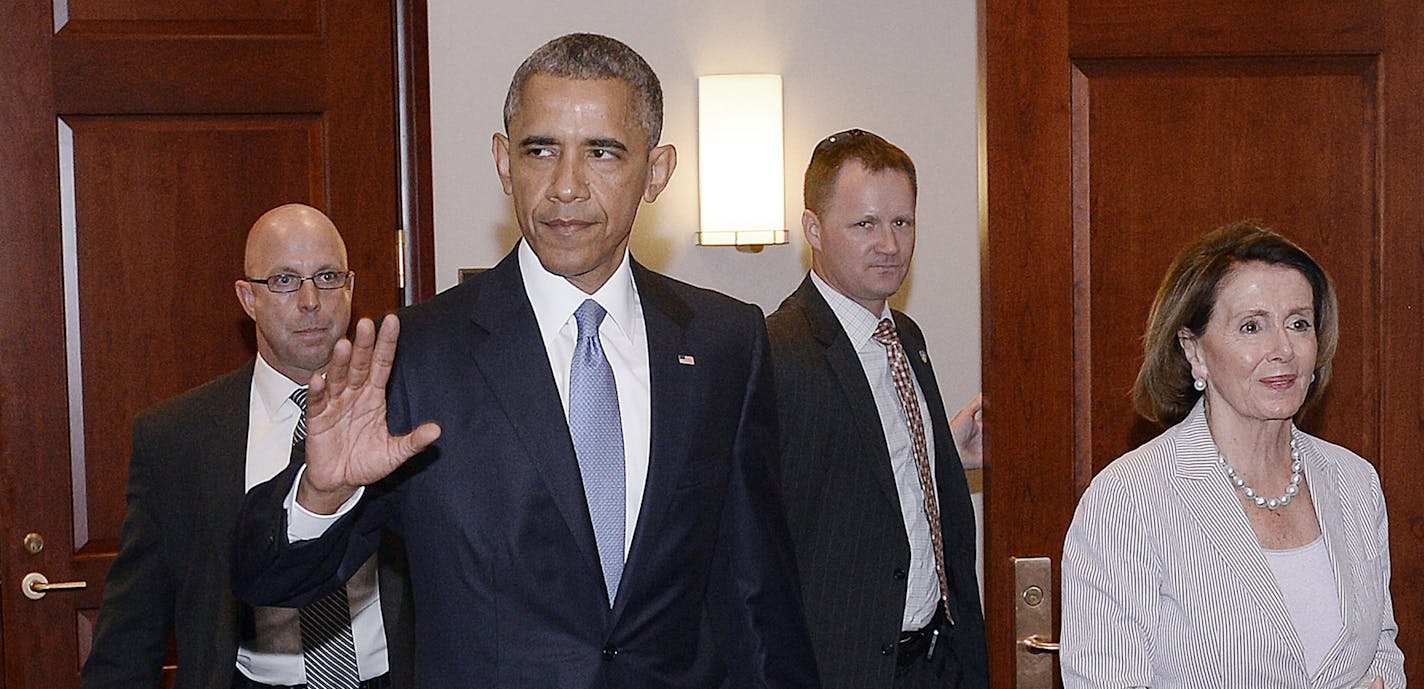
[740, 161]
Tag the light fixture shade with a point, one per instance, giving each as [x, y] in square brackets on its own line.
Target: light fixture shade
[740, 168]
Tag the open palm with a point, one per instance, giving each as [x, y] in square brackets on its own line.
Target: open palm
[348, 443]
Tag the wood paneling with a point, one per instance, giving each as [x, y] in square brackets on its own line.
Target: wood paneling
[1121, 28]
[1175, 147]
[148, 191]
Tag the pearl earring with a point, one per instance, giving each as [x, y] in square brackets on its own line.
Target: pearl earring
[1312, 377]
[1199, 384]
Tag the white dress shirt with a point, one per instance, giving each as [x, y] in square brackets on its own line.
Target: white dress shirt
[275, 655]
[922, 584]
[625, 342]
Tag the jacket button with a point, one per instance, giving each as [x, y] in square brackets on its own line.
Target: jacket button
[887, 649]
[609, 651]
[899, 572]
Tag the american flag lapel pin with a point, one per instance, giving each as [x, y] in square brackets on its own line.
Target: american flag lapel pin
[924, 357]
[686, 360]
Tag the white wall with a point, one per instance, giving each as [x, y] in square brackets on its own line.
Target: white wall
[906, 70]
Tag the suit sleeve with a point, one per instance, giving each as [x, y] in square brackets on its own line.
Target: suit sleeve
[753, 589]
[1389, 660]
[270, 570]
[1111, 578]
[136, 617]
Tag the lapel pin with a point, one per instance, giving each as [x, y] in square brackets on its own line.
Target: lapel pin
[686, 360]
[924, 357]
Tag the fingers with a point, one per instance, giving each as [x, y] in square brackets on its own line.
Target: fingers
[416, 441]
[384, 355]
[1378, 683]
[360, 367]
[319, 388]
[968, 420]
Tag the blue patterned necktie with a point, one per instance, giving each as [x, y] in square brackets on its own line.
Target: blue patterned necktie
[597, 430]
[328, 649]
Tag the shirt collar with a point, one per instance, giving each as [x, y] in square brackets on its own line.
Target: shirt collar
[274, 389]
[859, 324]
[555, 299]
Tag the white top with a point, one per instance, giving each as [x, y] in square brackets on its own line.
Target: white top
[624, 337]
[275, 655]
[1307, 583]
[922, 584]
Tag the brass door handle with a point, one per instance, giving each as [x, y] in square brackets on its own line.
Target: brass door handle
[36, 585]
[1037, 644]
[1034, 648]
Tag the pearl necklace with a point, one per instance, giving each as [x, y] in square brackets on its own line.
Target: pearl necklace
[1261, 501]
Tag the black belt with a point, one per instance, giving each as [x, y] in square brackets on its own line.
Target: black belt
[241, 681]
[921, 642]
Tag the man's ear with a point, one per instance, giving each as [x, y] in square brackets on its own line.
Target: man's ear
[499, 147]
[662, 160]
[811, 228]
[245, 297]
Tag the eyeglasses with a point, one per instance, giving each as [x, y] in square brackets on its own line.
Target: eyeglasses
[285, 283]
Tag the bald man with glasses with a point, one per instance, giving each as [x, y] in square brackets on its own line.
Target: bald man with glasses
[193, 458]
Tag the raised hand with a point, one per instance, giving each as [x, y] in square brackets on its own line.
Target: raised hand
[348, 443]
[967, 427]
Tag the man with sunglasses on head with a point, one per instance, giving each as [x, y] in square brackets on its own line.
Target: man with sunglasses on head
[194, 456]
[873, 486]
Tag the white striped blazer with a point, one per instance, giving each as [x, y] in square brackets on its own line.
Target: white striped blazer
[1165, 584]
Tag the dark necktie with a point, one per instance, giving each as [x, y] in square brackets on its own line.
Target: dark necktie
[597, 431]
[328, 650]
[886, 334]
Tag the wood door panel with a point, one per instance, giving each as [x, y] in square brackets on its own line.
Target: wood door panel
[146, 190]
[182, 17]
[1304, 163]
[1223, 27]
[125, 76]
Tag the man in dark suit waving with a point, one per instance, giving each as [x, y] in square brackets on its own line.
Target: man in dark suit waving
[194, 455]
[875, 493]
[588, 503]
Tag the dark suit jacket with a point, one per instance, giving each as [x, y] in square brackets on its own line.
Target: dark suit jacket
[507, 584]
[843, 507]
[171, 575]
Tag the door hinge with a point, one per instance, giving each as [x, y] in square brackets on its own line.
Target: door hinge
[400, 258]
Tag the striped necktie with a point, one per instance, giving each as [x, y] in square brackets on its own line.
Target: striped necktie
[328, 649]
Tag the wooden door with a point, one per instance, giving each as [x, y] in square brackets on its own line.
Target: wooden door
[1116, 130]
[142, 139]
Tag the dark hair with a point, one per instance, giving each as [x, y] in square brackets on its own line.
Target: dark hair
[1163, 391]
[834, 151]
[585, 56]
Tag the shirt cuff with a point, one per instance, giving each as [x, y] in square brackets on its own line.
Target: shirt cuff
[305, 525]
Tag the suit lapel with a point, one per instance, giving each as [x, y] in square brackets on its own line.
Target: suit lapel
[1322, 476]
[226, 427]
[675, 403]
[850, 377]
[223, 471]
[944, 447]
[1211, 501]
[509, 352]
